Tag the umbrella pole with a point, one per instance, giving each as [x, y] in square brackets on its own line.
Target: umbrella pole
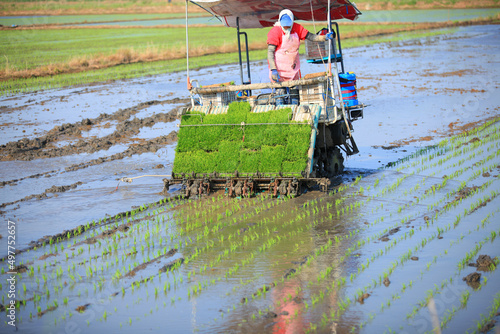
[329, 43]
[332, 87]
[187, 50]
[337, 81]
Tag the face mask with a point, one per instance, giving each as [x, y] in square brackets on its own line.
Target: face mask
[287, 32]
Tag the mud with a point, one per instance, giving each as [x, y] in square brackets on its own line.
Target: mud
[484, 263]
[142, 266]
[301, 262]
[473, 280]
[49, 309]
[46, 256]
[289, 273]
[387, 282]
[39, 147]
[270, 315]
[51, 190]
[21, 268]
[385, 237]
[265, 288]
[12, 182]
[449, 74]
[488, 326]
[361, 299]
[82, 308]
[152, 145]
[107, 233]
[171, 265]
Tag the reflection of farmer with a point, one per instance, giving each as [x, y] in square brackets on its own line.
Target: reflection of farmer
[283, 47]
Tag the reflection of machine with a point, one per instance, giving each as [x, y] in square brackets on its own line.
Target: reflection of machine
[326, 100]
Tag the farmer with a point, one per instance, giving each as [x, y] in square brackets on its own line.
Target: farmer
[283, 42]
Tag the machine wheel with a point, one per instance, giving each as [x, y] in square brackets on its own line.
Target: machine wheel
[335, 162]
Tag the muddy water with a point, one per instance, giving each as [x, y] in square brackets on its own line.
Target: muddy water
[360, 258]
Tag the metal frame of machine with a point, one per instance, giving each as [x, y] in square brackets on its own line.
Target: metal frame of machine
[321, 104]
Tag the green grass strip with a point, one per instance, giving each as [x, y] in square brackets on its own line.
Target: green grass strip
[19, 56]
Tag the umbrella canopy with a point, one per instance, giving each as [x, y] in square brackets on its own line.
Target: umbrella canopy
[264, 13]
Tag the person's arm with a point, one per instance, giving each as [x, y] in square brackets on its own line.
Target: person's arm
[319, 38]
[271, 49]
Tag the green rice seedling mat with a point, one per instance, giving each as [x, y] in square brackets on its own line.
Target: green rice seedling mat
[267, 142]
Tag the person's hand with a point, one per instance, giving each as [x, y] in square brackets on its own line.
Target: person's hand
[274, 75]
[329, 36]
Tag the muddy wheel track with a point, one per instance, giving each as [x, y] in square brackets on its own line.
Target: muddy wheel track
[42, 147]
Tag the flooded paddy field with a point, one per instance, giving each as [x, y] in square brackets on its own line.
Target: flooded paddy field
[406, 240]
